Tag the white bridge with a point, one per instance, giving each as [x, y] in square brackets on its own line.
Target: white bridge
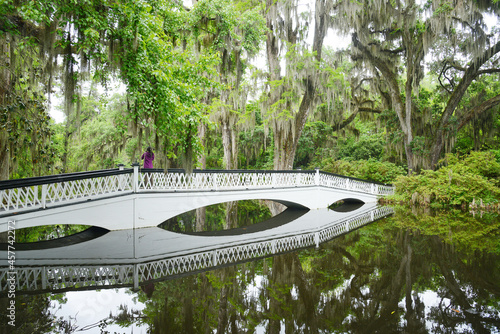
[130, 198]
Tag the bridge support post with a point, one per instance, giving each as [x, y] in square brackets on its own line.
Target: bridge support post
[316, 177]
[214, 258]
[44, 278]
[136, 277]
[298, 178]
[316, 239]
[44, 195]
[135, 181]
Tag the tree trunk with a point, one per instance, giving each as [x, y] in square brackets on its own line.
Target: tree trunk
[4, 155]
[201, 213]
[286, 141]
[230, 146]
[403, 109]
[5, 87]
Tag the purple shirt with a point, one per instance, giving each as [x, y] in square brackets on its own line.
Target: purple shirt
[148, 158]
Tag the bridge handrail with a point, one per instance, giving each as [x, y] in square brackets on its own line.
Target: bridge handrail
[158, 180]
[39, 180]
[42, 192]
[292, 171]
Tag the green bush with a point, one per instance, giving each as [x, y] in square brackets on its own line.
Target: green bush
[366, 148]
[463, 180]
[372, 170]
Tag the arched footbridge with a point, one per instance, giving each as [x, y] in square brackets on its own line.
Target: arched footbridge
[128, 198]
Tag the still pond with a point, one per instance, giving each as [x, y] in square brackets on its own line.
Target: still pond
[411, 272]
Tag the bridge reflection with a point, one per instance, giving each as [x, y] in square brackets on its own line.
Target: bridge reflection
[137, 257]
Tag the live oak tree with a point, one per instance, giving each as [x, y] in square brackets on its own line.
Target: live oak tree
[24, 120]
[393, 38]
[290, 93]
[165, 82]
[231, 31]
[94, 40]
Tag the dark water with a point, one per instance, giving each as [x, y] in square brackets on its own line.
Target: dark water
[413, 272]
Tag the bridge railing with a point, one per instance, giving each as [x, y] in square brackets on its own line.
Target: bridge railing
[250, 179]
[43, 192]
[223, 180]
[342, 182]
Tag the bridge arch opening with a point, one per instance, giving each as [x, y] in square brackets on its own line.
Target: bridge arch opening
[346, 205]
[231, 218]
[54, 236]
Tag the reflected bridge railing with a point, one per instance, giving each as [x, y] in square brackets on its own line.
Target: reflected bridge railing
[64, 278]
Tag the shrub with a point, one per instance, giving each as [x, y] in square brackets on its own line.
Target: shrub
[384, 172]
[463, 180]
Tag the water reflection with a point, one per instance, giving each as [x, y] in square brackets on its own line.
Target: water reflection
[404, 274]
[383, 278]
[233, 218]
[346, 205]
[88, 233]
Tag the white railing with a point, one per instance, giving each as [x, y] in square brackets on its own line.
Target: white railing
[231, 180]
[41, 193]
[63, 190]
[100, 276]
[223, 181]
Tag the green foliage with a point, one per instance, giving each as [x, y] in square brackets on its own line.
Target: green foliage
[255, 149]
[252, 212]
[467, 233]
[41, 233]
[315, 137]
[463, 180]
[164, 84]
[384, 172]
[367, 147]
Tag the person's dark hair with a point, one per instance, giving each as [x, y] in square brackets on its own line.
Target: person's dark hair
[149, 149]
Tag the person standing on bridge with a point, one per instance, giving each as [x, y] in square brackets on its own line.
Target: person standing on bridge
[148, 158]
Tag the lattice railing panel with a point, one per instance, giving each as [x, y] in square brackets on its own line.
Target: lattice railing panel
[59, 278]
[385, 190]
[88, 188]
[222, 181]
[333, 181]
[23, 198]
[25, 279]
[20, 198]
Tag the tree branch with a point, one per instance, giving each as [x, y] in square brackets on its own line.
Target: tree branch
[486, 105]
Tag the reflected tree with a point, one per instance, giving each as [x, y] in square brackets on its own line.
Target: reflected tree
[388, 277]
